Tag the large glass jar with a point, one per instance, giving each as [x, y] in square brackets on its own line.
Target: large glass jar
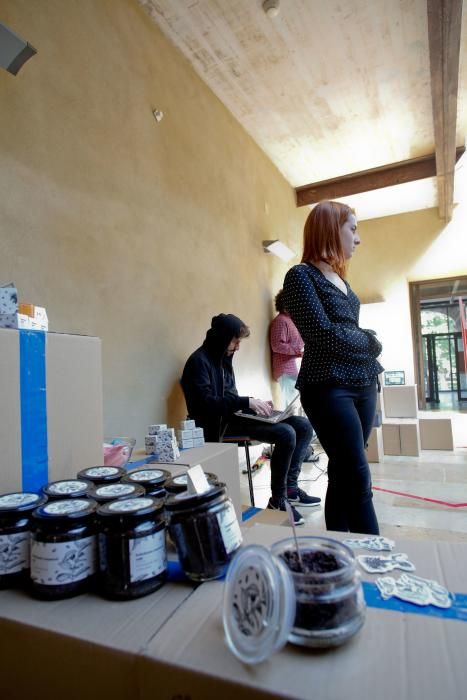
[179, 483]
[151, 479]
[63, 548]
[115, 492]
[15, 523]
[102, 475]
[330, 607]
[132, 554]
[205, 531]
[67, 488]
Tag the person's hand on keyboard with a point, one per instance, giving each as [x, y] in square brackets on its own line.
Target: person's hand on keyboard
[261, 408]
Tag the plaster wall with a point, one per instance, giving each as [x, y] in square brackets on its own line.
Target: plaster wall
[132, 230]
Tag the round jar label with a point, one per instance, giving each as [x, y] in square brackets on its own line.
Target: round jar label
[63, 562]
[72, 486]
[115, 490]
[147, 556]
[130, 505]
[182, 479]
[15, 500]
[66, 507]
[147, 474]
[102, 471]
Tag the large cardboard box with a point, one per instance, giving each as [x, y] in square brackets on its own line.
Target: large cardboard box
[171, 645]
[401, 437]
[50, 407]
[400, 401]
[374, 449]
[436, 434]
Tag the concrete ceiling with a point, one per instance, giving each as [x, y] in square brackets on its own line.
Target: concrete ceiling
[327, 87]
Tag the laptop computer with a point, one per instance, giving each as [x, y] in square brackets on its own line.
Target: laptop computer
[275, 417]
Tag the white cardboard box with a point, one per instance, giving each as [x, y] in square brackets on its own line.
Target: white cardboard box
[50, 407]
[400, 401]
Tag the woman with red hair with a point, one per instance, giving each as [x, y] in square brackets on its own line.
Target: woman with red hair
[339, 374]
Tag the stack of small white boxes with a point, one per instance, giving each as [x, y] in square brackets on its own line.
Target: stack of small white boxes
[189, 435]
[161, 440]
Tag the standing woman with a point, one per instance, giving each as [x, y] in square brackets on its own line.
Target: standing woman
[339, 374]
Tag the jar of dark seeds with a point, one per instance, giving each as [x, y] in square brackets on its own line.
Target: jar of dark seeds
[67, 488]
[103, 493]
[63, 548]
[15, 524]
[152, 480]
[102, 475]
[132, 554]
[178, 484]
[205, 531]
[330, 606]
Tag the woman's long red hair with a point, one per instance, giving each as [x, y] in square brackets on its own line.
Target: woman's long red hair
[321, 235]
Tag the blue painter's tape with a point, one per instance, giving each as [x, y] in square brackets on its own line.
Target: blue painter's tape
[34, 449]
[249, 513]
[458, 610]
[140, 462]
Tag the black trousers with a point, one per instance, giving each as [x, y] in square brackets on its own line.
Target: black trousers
[343, 417]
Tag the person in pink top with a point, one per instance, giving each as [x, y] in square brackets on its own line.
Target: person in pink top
[286, 348]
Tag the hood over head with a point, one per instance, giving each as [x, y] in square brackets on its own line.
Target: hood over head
[224, 328]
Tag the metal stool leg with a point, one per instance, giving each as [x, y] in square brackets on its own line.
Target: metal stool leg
[248, 468]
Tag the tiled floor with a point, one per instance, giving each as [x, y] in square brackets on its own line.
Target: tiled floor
[437, 475]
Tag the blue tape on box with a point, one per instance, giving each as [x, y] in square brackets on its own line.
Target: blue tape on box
[34, 449]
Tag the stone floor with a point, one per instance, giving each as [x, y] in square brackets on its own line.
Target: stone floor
[437, 475]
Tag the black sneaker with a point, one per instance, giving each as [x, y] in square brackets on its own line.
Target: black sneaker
[301, 498]
[279, 504]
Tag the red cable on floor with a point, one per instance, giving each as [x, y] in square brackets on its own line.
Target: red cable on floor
[421, 498]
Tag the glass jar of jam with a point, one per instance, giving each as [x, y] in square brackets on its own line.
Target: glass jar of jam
[205, 531]
[116, 492]
[178, 484]
[63, 548]
[15, 518]
[67, 488]
[132, 554]
[330, 606]
[102, 475]
[152, 480]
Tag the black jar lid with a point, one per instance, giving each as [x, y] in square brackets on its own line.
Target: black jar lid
[67, 488]
[102, 474]
[147, 477]
[66, 509]
[116, 492]
[20, 502]
[131, 507]
[178, 484]
[185, 500]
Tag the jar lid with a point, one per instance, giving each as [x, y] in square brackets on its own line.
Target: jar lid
[112, 492]
[147, 476]
[259, 604]
[185, 500]
[66, 508]
[102, 473]
[67, 487]
[20, 501]
[178, 484]
[144, 505]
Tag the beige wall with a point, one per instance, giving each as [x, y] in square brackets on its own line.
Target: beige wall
[396, 250]
[128, 229]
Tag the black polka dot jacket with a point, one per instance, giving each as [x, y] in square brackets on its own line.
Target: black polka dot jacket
[337, 350]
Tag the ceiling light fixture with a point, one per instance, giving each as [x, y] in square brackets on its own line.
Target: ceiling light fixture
[279, 249]
[271, 7]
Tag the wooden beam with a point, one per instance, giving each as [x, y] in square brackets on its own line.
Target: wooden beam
[373, 179]
[444, 34]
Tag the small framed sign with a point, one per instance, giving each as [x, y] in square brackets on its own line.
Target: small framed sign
[394, 378]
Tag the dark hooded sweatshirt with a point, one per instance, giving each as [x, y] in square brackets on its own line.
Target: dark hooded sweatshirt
[208, 380]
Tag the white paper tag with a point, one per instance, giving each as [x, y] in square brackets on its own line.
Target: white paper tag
[374, 542]
[414, 589]
[379, 564]
[147, 556]
[230, 529]
[196, 480]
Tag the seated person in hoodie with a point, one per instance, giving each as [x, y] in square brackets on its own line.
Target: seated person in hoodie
[212, 399]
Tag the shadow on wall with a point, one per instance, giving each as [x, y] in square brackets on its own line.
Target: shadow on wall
[176, 407]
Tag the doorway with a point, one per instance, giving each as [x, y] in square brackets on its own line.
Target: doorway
[438, 310]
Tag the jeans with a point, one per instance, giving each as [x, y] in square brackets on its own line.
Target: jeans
[288, 390]
[343, 417]
[290, 437]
